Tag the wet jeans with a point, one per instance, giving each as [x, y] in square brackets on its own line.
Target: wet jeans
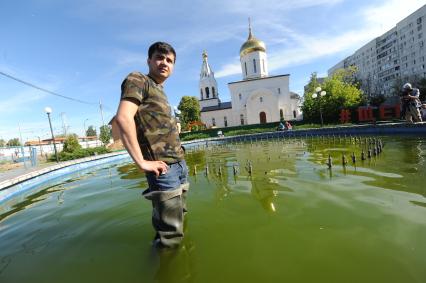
[177, 174]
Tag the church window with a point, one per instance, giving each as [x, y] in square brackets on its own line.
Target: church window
[239, 96]
[213, 122]
[281, 114]
[201, 93]
[279, 90]
[294, 113]
[245, 67]
[207, 92]
[254, 65]
[261, 99]
[242, 119]
[225, 121]
[213, 91]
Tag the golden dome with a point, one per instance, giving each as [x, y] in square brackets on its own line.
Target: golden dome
[251, 45]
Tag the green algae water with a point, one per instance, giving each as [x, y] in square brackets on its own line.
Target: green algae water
[291, 220]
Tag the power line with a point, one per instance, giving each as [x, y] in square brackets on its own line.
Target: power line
[46, 90]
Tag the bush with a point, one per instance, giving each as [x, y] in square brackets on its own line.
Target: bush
[79, 153]
[71, 144]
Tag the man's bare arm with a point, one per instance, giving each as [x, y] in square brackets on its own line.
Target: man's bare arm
[125, 120]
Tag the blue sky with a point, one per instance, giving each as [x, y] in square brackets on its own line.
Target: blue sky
[84, 48]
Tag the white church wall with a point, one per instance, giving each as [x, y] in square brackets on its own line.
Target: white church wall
[247, 63]
[210, 83]
[208, 102]
[274, 88]
[262, 100]
[218, 115]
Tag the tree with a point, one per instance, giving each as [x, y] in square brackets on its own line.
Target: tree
[71, 143]
[91, 131]
[190, 110]
[342, 92]
[105, 134]
[377, 100]
[14, 142]
[2, 143]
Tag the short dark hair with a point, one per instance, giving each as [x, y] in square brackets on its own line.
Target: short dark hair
[161, 47]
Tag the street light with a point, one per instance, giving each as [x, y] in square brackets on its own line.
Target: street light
[319, 93]
[48, 110]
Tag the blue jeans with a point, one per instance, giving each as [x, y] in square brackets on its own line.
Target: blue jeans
[177, 175]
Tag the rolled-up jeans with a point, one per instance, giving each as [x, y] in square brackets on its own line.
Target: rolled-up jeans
[167, 193]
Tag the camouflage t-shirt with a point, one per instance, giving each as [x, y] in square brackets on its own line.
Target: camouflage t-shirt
[156, 128]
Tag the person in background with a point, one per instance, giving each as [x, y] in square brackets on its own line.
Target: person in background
[288, 126]
[410, 103]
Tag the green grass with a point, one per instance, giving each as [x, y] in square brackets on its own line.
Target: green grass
[248, 129]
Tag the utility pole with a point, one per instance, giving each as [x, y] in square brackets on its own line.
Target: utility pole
[64, 124]
[102, 113]
[20, 134]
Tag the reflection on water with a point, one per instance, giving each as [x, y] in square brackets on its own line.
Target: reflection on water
[270, 211]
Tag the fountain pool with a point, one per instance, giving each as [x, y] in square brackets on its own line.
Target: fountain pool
[292, 219]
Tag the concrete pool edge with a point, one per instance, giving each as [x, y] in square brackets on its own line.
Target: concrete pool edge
[21, 183]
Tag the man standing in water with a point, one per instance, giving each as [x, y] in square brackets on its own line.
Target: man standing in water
[150, 135]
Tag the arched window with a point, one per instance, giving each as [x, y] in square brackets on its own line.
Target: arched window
[207, 92]
[281, 114]
[213, 91]
[261, 99]
[254, 65]
[201, 93]
[294, 114]
[225, 121]
[214, 122]
[245, 67]
[239, 96]
[242, 119]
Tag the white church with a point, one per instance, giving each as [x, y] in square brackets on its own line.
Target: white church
[258, 98]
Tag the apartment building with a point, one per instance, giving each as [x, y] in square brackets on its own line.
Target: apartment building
[398, 54]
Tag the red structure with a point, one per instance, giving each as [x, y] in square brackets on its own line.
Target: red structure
[389, 111]
[345, 116]
[365, 114]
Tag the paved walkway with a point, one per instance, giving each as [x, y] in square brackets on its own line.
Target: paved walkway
[16, 172]
[18, 175]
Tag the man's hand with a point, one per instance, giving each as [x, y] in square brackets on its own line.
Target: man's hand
[158, 167]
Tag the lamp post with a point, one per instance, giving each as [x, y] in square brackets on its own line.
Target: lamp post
[319, 93]
[48, 110]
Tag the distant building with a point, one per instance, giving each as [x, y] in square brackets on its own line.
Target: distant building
[257, 98]
[397, 54]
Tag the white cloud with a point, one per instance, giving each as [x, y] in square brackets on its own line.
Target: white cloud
[22, 100]
[375, 20]
[390, 13]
